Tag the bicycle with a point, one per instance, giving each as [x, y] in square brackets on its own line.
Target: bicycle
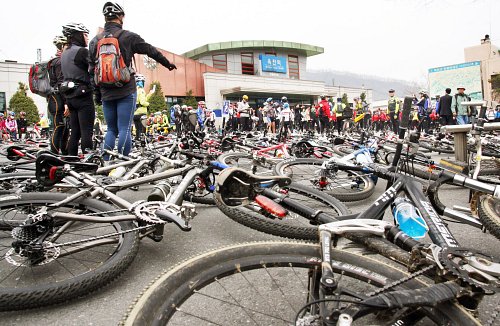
[304, 283]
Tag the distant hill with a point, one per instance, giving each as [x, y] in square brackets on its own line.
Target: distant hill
[379, 85]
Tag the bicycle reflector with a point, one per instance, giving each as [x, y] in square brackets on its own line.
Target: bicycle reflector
[270, 206]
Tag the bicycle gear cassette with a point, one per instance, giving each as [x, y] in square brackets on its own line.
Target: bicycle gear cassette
[472, 267]
[146, 211]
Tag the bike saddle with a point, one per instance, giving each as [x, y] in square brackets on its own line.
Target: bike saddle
[14, 152]
[236, 186]
[227, 143]
[49, 168]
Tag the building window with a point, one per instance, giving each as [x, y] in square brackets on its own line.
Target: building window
[3, 102]
[220, 61]
[293, 66]
[271, 53]
[247, 67]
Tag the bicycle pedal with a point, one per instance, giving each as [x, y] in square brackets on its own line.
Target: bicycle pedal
[155, 238]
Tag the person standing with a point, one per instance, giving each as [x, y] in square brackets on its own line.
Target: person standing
[325, 114]
[56, 102]
[12, 125]
[119, 100]
[77, 88]
[339, 109]
[460, 111]
[444, 108]
[244, 111]
[393, 104]
[21, 124]
[142, 104]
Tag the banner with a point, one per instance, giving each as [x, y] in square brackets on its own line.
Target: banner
[271, 63]
[466, 74]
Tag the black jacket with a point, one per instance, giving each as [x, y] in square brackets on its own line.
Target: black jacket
[445, 105]
[130, 43]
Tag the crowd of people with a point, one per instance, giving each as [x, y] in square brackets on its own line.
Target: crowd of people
[79, 83]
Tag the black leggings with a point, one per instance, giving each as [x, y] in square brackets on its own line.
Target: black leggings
[82, 123]
[60, 135]
[139, 128]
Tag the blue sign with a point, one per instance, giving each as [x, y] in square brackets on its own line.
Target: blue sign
[273, 63]
[454, 67]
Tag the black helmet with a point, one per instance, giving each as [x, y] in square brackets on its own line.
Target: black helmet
[72, 28]
[284, 99]
[111, 9]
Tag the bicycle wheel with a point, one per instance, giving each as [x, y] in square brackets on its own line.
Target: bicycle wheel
[343, 185]
[246, 162]
[489, 214]
[75, 258]
[268, 283]
[11, 182]
[293, 225]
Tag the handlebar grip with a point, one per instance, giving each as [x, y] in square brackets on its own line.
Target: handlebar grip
[405, 119]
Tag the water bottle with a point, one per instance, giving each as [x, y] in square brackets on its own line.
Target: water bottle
[118, 172]
[408, 218]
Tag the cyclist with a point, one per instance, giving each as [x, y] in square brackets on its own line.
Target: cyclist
[393, 109]
[44, 125]
[200, 114]
[12, 126]
[164, 122]
[339, 109]
[244, 111]
[3, 129]
[21, 124]
[78, 92]
[142, 104]
[285, 118]
[56, 101]
[119, 102]
[325, 114]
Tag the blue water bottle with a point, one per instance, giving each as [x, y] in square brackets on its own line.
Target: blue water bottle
[408, 218]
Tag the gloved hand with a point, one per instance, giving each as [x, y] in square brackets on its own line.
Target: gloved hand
[171, 66]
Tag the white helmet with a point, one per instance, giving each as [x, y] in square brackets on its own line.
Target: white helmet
[139, 77]
[111, 9]
[71, 28]
[60, 40]
[184, 107]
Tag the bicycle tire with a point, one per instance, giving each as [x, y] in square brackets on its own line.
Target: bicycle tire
[54, 290]
[416, 169]
[293, 227]
[244, 161]
[14, 179]
[437, 147]
[194, 283]
[365, 185]
[489, 214]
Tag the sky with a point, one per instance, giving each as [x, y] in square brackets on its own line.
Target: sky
[398, 39]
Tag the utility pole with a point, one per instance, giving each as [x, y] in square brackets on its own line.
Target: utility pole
[39, 55]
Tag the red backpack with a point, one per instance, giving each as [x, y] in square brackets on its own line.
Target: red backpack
[110, 68]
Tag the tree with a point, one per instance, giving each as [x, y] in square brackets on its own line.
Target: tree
[363, 97]
[345, 99]
[157, 100]
[190, 99]
[21, 102]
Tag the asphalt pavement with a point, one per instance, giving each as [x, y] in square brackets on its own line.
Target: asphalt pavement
[211, 229]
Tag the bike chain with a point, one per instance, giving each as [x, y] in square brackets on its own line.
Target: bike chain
[400, 281]
[101, 236]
